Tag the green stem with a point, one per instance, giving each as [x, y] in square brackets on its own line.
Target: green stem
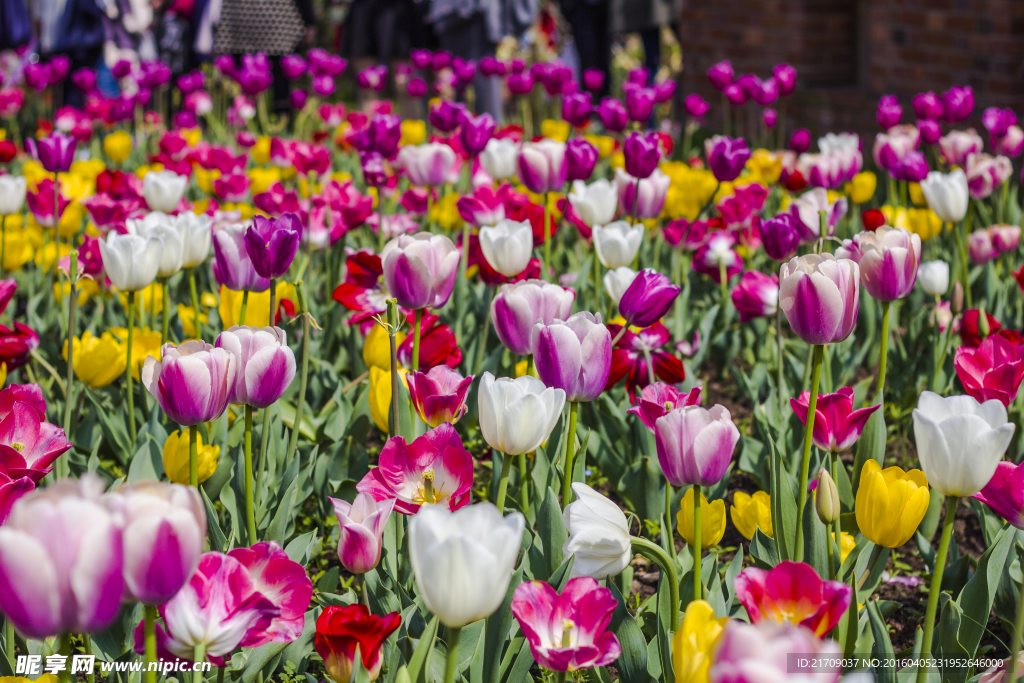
[272, 319]
[264, 442]
[65, 468]
[570, 447]
[416, 339]
[698, 588]
[245, 304]
[524, 489]
[293, 444]
[965, 225]
[779, 370]
[193, 457]
[486, 331]
[952, 503]
[166, 313]
[392, 306]
[149, 626]
[670, 547]
[65, 649]
[195, 302]
[656, 553]
[87, 639]
[835, 525]
[200, 657]
[1018, 628]
[883, 352]
[723, 281]
[506, 469]
[128, 368]
[805, 462]
[451, 662]
[942, 357]
[250, 510]
[547, 240]
[9, 642]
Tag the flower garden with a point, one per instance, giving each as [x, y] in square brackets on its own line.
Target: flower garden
[601, 392]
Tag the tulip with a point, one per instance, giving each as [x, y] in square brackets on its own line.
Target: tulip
[272, 244]
[264, 364]
[427, 165]
[1004, 493]
[598, 535]
[439, 396]
[640, 103]
[750, 513]
[445, 115]
[826, 500]
[618, 243]
[837, 426]
[476, 132]
[800, 141]
[499, 158]
[1011, 144]
[28, 444]
[232, 266]
[54, 152]
[694, 642]
[890, 503]
[420, 270]
[159, 226]
[518, 306]
[712, 522]
[756, 295]
[793, 592]
[12, 194]
[341, 631]
[520, 83]
[176, 458]
[574, 356]
[807, 210]
[192, 382]
[542, 166]
[595, 203]
[593, 80]
[362, 525]
[647, 298]
[727, 157]
[517, 416]
[746, 652]
[642, 198]
[433, 469]
[617, 281]
[819, 295]
[889, 112]
[985, 173]
[658, 399]
[195, 237]
[721, 75]
[577, 107]
[580, 159]
[613, 115]
[641, 154]
[463, 561]
[695, 105]
[131, 261]
[507, 246]
[780, 236]
[934, 277]
[567, 631]
[62, 543]
[992, 371]
[695, 445]
[888, 260]
[957, 145]
[97, 361]
[163, 190]
[717, 259]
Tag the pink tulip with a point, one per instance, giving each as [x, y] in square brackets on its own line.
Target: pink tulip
[486, 206]
[991, 371]
[756, 295]
[420, 270]
[29, 445]
[574, 356]
[284, 583]
[439, 395]
[433, 469]
[888, 259]
[1011, 144]
[695, 445]
[891, 147]
[192, 382]
[716, 252]
[542, 166]
[819, 295]
[12, 489]
[721, 75]
[793, 592]
[362, 527]
[658, 399]
[164, 529]
[957, 145]
[985, 173]
[518, 306]
[837, 426]
[264, 365]
[1004, 493]
[980, 247]
[60, 561]
[427, 165]
[760, 653]
[646, 201]
[567, 631]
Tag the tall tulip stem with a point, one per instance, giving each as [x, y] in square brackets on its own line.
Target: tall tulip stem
[506, 469]
[723, 281]
[547, 241]
[952, 503]
[805, 461]
[128, 368]
[452, 661]
[779, 370]
[250, 510]
[883, 352]
[670, 547]
[149, 626]
[597, 280]
[272, 319]
[9, 642]
[416, 339]
[524, 490]
[1018, 630]
[304, 378]
[657, 554]
[65, 468]
[165, 327]
[193, 457]
[962, 241]
[837, 534]
[195, 302]
[200, 657]
[570, 447]
[3, 249]
[392, 306]
[698, 589]
[245, 304]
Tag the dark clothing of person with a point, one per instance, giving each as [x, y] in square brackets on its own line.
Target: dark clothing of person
[386, 29]
[274, 27]
[588, 20]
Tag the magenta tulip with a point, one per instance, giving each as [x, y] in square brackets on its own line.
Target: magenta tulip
[658, 399]
[717, 252]
[837, 426]
[445, 116]
[819, 295]
[420, 270]
[888, 259]
[593, 80]
[695, 445]
[577, 108]
[931, 131]
[800, 141]
[991, 371]
[580, 159]
[54, 152]
[574, 356]
[727, 157]
[491, 66]
[542, 166]
[639, 103]
[29, 445]
[721, 75]
[518, 306]
[642, 154]
[957, 104]
[272, 243]
[12, 489]
[613, 115]
[231, 265]
[486, 206]
[284, 583]
[756, 295]
[1004, 493]
[647, 298]
[192, 382]
[928, 105]
[780, 237]
[439, 395]
[696, 106]
[793, 592]
[889, 112]
[520, 83]
[362, 529]
[294, 66]
[264, 365]
[476, 131]
[785, 76]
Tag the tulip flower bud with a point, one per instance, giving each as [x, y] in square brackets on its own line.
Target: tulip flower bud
[983, 327]
[826, 498]
[957, 302]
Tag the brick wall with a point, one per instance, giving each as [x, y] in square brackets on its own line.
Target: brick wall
[849, 52]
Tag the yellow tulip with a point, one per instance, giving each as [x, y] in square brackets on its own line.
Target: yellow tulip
[141, 171]
[19, 245]
[862, 188]
[34, 173]
[200, 206]
[117, 146]
[890, 503]
[257, 311]
[263, 178]
[916, 195]
[688, 191]
[924, 222]
[377, 347]
[617, 160]
[3, 373]
[712, 520]
[445, 213]
[88, 169]
[97, 361]
[694, 642]
[176, 452]
[414, 131]
[260, 152]
[380, 395]
[846, 545]
[187, 317]
[193, 136]
[765, 167]
[145, 343]
[751, 512]
[896, 216]
[45, 678]
[556, 130]
[45, 255]
[605, 144]
[521, 369]
[204, 178]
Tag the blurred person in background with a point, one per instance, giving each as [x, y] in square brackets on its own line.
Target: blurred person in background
[645, 17]
[589, 22]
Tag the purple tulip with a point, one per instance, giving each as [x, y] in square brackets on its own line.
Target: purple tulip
[888, 259]
[640, 76]
[61, 543]
[382, 135]
[647, 199]
[577, 108]
[542, 166]
[928, 105]
[756, 295]
[420, 270]
[518, 306]
[37, 76]
[272, 244]
[191, 382]
[767, 93]
[264, 365]
[780, 236]
[520, 83]
[84, 80]
[417, 87]
[580, 159]
[232, 266]
[439, 395]
[664, 91]
[998, 121]
[819, 295]
[727, 157]
[613, 114]
[60, 66]
[421, 59]
[734, 93]
[372, 165]
[445, 116]
[721, 75]
[491, 66]
[164, 526]
[695, 445]
[642, 154]
[373, 78]
[639, 103]
[121, 68]
[441, 60]
[575, 355]
[648, 298]
[593, 80]
[362, 525]
[785, 76]
[770, 117]
[190, 82]
[476, 131]
[323, 85]
[465, 71]
[750, 84]
[696, 106]
[298, 99]
[913, 167]
[293, 66]
[931, 131]
[54, 152]
[957, 104]
[889, 112]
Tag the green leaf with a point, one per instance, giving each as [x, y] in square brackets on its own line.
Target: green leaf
[552, 532]
[632, 664]
[980, 592]
[882, 648]
[815, 540]
[763, 550]
[665, 627]
[301, 548]
[420, 659]
[497, 629]
[278, 525]
[947, 645]
[784, 510]
[217, 540]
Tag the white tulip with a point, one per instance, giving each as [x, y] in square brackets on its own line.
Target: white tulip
[960, 441]
[595, 203]
[934, 277]
[130, 261]
[517, 415]
[617, 243]
[507, 246]
[159, 224]
[499, 158]
[946, 194]
[163, 190]
[617, 281]
[598, 534]
[463, 560]
[12, 194]
[196, 234]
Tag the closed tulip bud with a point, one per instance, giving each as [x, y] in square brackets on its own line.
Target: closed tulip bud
[55, 152]
[819, 295]
[341, 631]
[507, 246]
[463, 561]
[594, 204]
[648, 298]
[727, 157]
[574, 356]
[163, 190]
[826, 498]
[518, 306]
[639, 103]
[696, 106]
[645, 200]
[890, 503]
[232, 266]
[934, 277]
[780, 236]
[517, 416]
[12, 194]
[888, 259]
[264, 364]
[176, 457]
[362, 525]
[439, 395]
[577, 108]
[598, 535]
[130, 261]
[617, 243]
[613, 115]
[158, 225]
[499, 158]
[800, 141]
[721, 75]
[272, 244]
[476, 132]
[542, 166]
[192, 382]
[580, 159]
[642, 154]
[420, 270]
[752, 512]
[712, 520]
[957, 300]
[695, 445]
[889, 112]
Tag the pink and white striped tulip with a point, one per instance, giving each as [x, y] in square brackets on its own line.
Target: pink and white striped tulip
[985, 173]
[695, 445]
[756, 295]
[657, 399]
[646, 202]
[427, 165]
[747, 653]
[192, 382]
[520, 305]
[793, 592]
[439, 395]
[420, 270]
[542, 166]
[362, 527]
[957, 145]
[284, 583]
[888, 260]
[819, 295]
[837, 426]
[264, 364]
[575, 355]
[808, 219]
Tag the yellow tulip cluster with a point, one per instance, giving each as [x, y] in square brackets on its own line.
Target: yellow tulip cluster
[97, 361]
[688, 191]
